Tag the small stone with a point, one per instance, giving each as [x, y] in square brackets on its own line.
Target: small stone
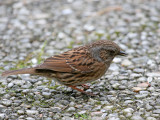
[136, 117]
[116, 85]
[89, 27]
[96, 113]
[153, 74]
[113, 116]
[108, 108]
[30, 118]
[128, 110]
[2, 116]
[10, 85]
[113, 67]
[122, 87]
[117, 60]
[78, 106]
[2, 107]
[6, 102]
[97, 118]
[72, 104]
[46, 94]
[71, 109]
[67, 118]
[128, 102]
[56, 109]
[82, 112]
[135, 75]
[27, 85]
[137, 70]
[64, 102]
[34, 61]
[141, 96]
[67, 11]
[126, 63]
[48, 118]
[151, 118]
[18, 82]
[31, 112]
[157, 111]
[104, 115]
[20, 112]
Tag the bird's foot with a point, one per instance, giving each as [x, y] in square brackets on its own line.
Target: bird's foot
[82, 91]
[85, 86]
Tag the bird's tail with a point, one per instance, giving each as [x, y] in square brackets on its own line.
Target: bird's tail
[20, 71]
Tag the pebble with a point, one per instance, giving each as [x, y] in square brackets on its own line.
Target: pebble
[126, 63]
[2, 116]
[141, 96]
[153, 74]
[96, 114]
[18, 82]
[67, 118]
[32, 112]
[21, 112]
[71, 109]
[56, 109]
[67, 11]
[128, 110]
[128, 102]
[97, 118]
[10, 85]
[48, 118]
[108, 107]
[136, 117]
[82, 112]
[46, 94]
[157, 111]
[138, 70]
[30, 118]
[151, 118]
[116, 85]
[148, 107]
[6, 102]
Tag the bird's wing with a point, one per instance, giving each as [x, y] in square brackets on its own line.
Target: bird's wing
[70, 61]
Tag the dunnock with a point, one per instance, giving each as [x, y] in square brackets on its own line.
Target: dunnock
[77, 66]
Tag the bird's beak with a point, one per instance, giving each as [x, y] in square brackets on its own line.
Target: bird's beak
[122, 53]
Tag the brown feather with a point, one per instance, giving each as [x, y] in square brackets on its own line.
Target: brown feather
[70, 61]
[20, 71]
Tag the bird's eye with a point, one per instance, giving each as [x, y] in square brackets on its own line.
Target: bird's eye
[111, 52]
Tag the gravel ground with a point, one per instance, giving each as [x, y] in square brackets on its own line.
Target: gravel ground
[31, 30]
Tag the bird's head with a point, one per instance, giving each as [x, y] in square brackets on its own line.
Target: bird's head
[105, 51]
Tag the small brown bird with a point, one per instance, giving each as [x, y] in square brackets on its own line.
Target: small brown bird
[77, 66]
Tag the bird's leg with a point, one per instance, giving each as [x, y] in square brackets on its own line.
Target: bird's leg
[74, 87]
[85, 86]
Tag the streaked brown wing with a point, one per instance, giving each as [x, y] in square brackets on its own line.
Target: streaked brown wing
[70, 61]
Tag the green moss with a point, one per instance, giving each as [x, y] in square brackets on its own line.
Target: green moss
[3, 86]
[99, 35]
[70, 46]
[108, 37]
[53, 87]
[143, 26]
[41, 53]
[117, 33]
[24, 63]
[98, 102]
[84, 116]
